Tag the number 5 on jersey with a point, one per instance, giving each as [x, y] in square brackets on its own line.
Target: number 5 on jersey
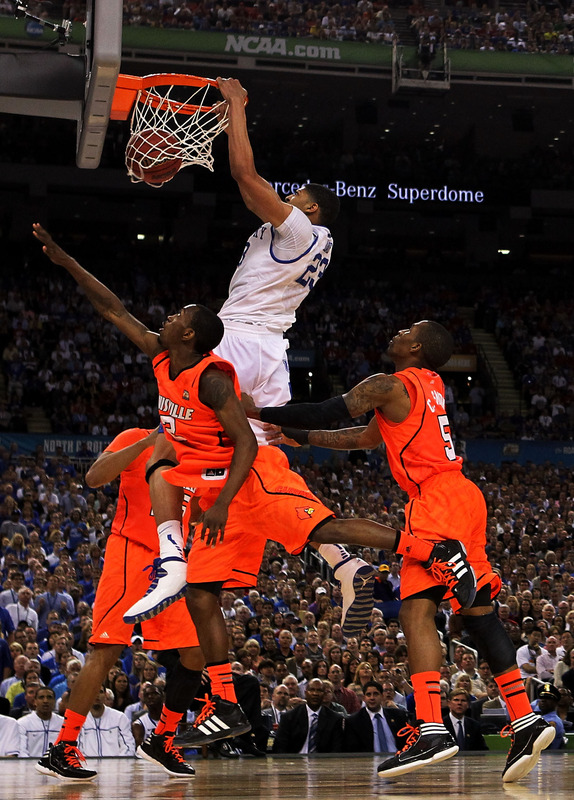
[444, 425]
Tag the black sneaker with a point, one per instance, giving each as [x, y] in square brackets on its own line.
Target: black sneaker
[159, 749]
[251, 749]
[64, 761]
[219, 719]
[420, 750]
[528, 741]
[223, 749]
[448, 564]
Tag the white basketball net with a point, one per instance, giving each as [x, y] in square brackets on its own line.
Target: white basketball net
[167, 108]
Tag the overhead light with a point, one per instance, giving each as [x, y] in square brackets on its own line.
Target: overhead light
[504, 252]
[140, 237]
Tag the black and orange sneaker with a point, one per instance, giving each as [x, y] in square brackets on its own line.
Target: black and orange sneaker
[422, 749]
[530, 736]
[448, 565]
[219, 719]
[159, 749]
[64, 761]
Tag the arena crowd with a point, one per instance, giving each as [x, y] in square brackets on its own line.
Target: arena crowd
[530, 27]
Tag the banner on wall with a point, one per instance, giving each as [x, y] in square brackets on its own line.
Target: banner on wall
[487, 450]
[83, 447]
[484, 450]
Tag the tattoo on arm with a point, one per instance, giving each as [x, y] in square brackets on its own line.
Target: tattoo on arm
[215, 389]
[345, 439]
[369, 394]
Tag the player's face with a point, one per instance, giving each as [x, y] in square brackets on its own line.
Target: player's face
[401, 343]
[300, 199]
[174, 326]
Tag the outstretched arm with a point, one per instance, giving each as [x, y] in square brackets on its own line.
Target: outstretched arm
[365, 437]
[106, 303]
[379, 391]
[258, 195]
[109, 465]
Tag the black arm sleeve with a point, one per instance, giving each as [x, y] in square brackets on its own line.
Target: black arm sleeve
[301, 437]
[314, 416]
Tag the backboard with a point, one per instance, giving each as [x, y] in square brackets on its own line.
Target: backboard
[75, 79]
[103, 52]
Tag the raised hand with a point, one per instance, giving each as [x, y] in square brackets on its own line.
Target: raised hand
[52, 250]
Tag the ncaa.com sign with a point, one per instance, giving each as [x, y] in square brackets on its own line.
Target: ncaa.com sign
[272, 46]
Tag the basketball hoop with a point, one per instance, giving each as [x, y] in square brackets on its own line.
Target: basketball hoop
[174, 120]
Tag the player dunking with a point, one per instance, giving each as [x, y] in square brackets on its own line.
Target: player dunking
[247, 493]
[410, 418]
[280, 264]
[131, 547]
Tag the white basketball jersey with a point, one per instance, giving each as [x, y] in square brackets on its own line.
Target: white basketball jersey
[277, 270]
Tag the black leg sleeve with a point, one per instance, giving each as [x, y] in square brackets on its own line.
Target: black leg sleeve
[492, 641]
[181, 688]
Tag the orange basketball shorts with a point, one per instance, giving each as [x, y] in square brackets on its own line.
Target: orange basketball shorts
[450, 507]
[125, 580]
[274, 503]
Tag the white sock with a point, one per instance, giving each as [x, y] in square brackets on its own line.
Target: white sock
[170, 538]
[433, 728]
[334, 554]
[523, 722]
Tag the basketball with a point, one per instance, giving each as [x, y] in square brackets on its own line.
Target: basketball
[153, 156]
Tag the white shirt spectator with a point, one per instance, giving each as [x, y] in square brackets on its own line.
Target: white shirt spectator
[108, 735]
[19, 613]
[547, 660]
[39, 733]
[545, 664]
[12, 741]
[526, 655]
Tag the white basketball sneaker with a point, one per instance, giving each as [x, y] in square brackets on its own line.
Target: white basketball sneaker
[168, 584]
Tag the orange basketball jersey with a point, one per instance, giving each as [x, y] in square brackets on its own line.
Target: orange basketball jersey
[203, 450]
[133, 518]
[421, 445]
